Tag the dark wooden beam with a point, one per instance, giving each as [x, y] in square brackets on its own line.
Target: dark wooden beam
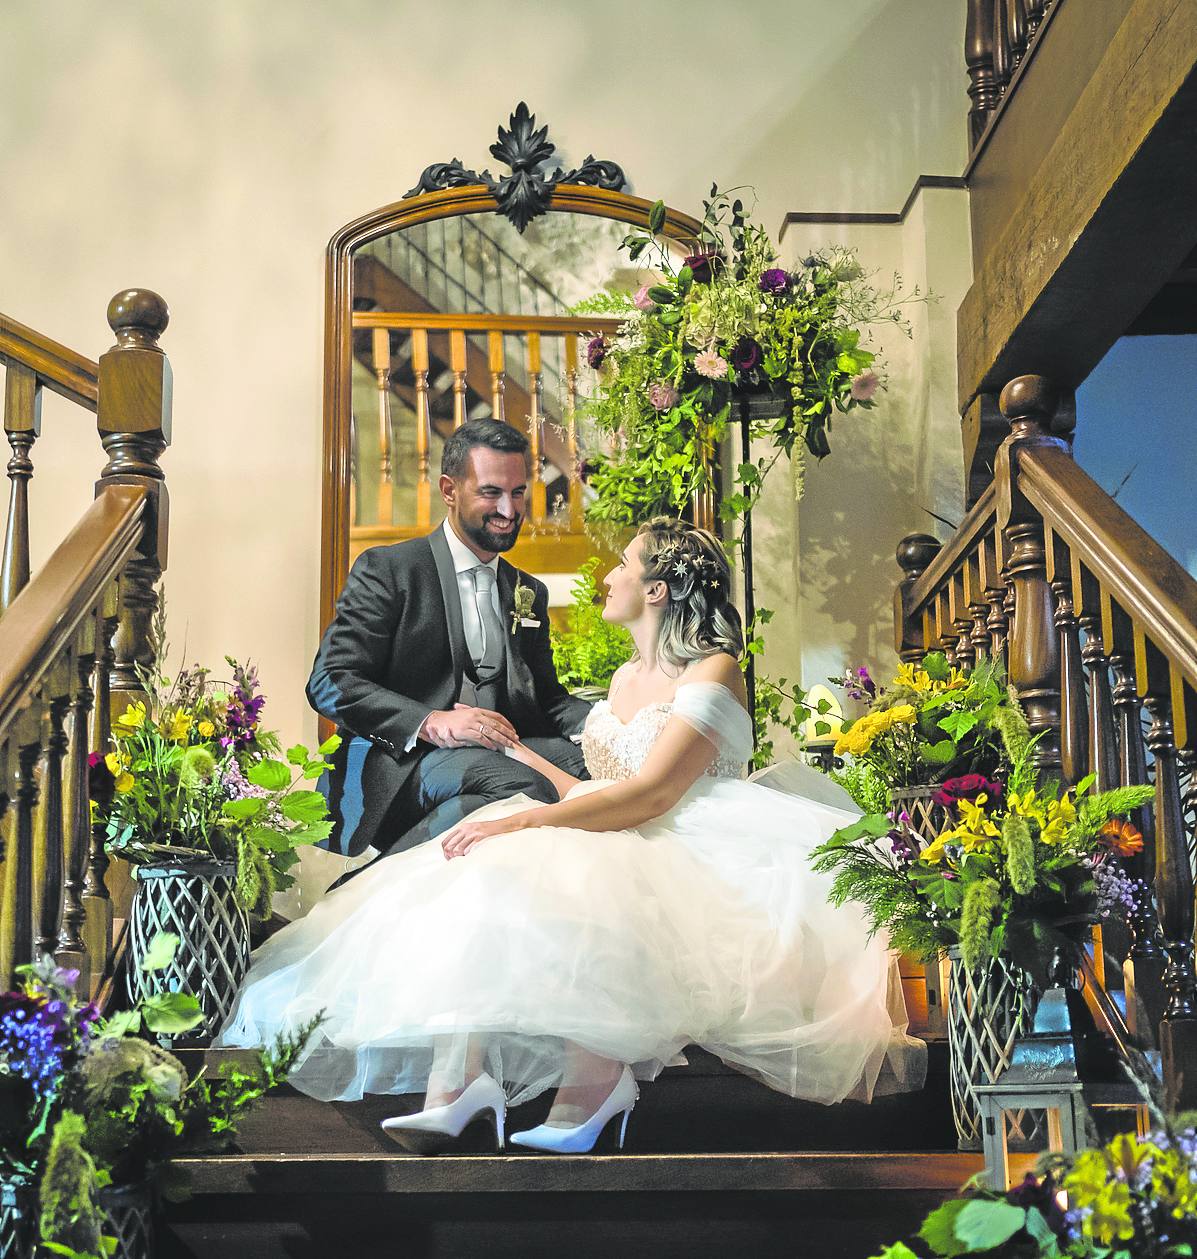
[1105, 221]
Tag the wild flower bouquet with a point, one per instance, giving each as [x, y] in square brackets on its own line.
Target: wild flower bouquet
[1132, 1198]
[729, 319]
[192, 773]
[1013, 873]
[87, 1102]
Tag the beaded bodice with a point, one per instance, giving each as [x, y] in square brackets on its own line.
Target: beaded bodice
[616, 749]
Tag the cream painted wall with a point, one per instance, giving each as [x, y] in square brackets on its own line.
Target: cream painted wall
[208, 151]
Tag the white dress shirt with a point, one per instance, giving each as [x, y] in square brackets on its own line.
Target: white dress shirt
[464, 560]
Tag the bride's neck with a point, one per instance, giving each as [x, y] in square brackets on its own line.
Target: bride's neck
[644, 634]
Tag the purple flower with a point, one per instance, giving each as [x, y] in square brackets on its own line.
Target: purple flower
[703, 265]
[33, 1041]
[864, 386]
[746, 355]
[596, 351]
[244, 707]
[662, 395]
[859, 684]
[774, 281]
[641, 299]
[905, 850]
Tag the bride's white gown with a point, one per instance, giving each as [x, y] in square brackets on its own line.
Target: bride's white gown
[706, 926]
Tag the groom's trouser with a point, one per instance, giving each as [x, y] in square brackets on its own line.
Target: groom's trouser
[450, 783]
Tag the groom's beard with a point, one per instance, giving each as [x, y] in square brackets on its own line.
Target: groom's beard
[487, 540]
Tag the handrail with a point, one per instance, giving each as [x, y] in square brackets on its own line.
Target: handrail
[56, 366]
[963, 542]
[486, 323]
[1162, 593]
[46, 614]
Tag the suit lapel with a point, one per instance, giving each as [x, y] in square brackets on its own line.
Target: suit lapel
[452, 599]
[519, 676]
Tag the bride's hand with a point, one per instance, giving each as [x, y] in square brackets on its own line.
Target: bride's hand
[466, 835]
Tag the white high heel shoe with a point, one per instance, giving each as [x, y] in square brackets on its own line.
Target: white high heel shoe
[429, 1131]
[580, 1140]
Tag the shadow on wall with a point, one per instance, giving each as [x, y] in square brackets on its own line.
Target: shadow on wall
[1136, 435]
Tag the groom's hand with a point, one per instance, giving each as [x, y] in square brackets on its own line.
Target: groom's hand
[465, 726]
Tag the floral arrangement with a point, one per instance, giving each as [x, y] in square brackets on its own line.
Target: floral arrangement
[588, 650]
[728, 320]
[86, 1102]
[1132, 1198]
[192, 773]
[1016, 868]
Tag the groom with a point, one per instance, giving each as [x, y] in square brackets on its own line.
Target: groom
[431, 667]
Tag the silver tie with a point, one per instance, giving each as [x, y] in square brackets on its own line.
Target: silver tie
[492, 627]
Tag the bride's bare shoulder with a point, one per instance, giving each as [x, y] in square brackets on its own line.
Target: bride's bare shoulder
[721, 668]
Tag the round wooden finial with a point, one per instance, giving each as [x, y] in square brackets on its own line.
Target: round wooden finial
[916, 551]
[1030, 398]
[138, 316]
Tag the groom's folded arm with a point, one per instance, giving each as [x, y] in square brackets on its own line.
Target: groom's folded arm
[347, 680]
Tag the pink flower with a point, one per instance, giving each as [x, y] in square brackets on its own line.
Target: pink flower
[710, 365]
[865, 386]
[641, 299]
[662, 395]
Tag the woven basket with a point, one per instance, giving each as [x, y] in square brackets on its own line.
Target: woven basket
[988, 1009]
[128, 1217]
[196, 903]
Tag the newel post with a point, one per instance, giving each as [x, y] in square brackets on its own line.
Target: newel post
[1029, 403]
[133, 417]
[915, 554]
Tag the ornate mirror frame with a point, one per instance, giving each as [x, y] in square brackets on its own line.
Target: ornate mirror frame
[421, 207]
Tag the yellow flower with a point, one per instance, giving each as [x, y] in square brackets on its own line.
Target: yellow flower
[177, 726]
[934, 852]
[916, 679]
[206, 729]
[118, 770]
[956, 680]
[902, 714]
[130, 720]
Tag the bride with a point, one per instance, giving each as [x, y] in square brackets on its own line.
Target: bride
[582, 945]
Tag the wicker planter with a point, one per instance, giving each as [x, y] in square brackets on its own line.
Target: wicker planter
[194, 901]
[128, 1217]
[988, 1009]
[926, 817]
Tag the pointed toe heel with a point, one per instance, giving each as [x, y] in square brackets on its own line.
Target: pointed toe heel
[437, 1129]
[582, 1139]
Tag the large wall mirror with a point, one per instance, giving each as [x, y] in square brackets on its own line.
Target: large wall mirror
[453, 304]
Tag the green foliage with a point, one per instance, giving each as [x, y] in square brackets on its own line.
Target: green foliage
[982, 899]
[1020, 853]
[589, 650]
[868, 789]
[68, 1213]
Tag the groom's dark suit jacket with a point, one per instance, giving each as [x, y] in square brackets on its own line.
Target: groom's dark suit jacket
[396, 651]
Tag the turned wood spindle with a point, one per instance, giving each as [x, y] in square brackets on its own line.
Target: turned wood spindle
[1002, 66]
[420, 365]
[536, 431]
[962, 625]
[380, 344]
[498, 376]
[1018, 29]
[29, 750]
[22, 426]
[1074, 712]
[49, 831]
[571, 433]
[457, 363]
[1103, 742]
[915, 554]
[133, 417]
[978, 58]
[71, 951]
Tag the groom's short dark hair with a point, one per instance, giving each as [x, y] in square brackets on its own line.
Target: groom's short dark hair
[495, 434]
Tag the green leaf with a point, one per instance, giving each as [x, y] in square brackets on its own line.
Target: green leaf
[271, 774]
[242, 810]
[330, 745]
[311, 832]
[313, 769]
[1041, 1231]
[984, 1224]
[662, 294]
[935, 663]
[160, 952]
[959, 723]
[822, 728]
[169, 1013]
[939, 1229]
[656, 217]
[270, 838]
[297, 755]
[941, 753]
[122, 1023]
[899, 1250]
[304, 806]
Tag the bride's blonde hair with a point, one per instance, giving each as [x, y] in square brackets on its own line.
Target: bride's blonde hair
[699, 618]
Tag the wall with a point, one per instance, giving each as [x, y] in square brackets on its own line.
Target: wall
[209, 151]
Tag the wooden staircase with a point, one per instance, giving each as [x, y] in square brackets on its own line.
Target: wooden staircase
[715, 1163]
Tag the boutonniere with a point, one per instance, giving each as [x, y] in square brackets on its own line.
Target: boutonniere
[521, 614]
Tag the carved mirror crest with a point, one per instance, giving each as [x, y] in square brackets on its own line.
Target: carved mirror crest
[455, 303]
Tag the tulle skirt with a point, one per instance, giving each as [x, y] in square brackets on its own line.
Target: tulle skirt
[706, 926]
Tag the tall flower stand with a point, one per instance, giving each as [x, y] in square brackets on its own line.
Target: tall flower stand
[194, 901]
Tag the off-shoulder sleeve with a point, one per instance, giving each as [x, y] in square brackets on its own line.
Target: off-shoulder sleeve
[716, 713]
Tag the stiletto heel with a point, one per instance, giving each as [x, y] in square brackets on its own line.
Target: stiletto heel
[581, 1140]
[430, 1131]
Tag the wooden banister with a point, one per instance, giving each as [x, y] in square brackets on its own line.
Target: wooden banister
[47, 613]
[59, 369]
